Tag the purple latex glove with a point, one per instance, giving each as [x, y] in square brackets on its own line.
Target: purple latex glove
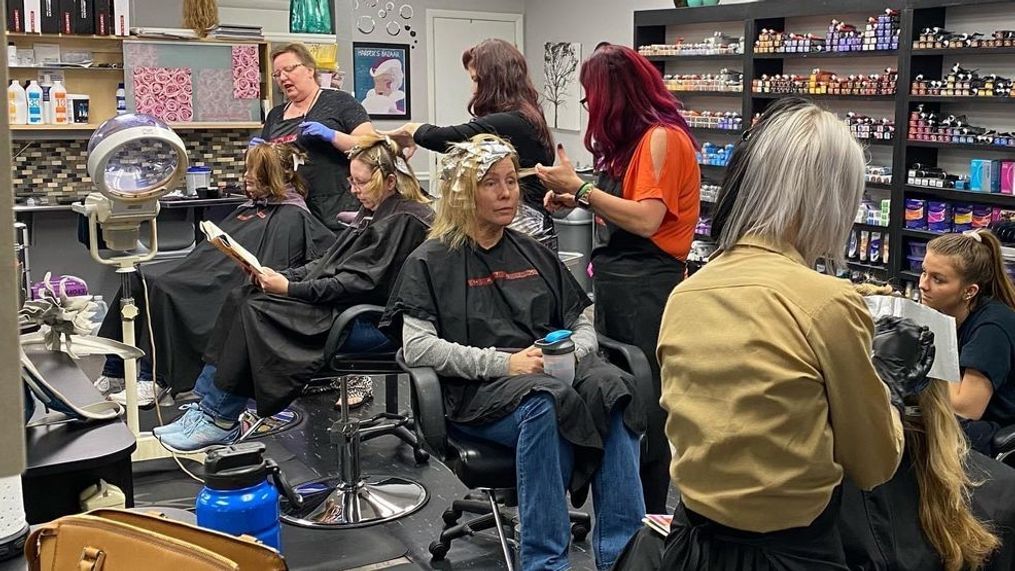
[315, 129]
[255, 141]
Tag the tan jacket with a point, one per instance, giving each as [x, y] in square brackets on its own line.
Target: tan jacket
[770, 390]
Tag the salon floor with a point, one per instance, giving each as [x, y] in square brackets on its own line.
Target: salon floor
[305, 453]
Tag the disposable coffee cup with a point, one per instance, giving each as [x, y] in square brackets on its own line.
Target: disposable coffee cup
[558, 355]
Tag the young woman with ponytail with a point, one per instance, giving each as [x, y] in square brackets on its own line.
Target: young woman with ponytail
[964, 276]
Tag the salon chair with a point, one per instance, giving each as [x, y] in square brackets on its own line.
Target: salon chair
[352, 499]
[489, 467]
[1004, 445]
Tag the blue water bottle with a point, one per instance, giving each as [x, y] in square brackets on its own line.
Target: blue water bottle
[238, 498]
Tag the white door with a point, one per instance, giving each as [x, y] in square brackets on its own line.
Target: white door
[450, 34]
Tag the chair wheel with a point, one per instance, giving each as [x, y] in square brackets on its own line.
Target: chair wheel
[438, 551]
[451, 517]
[420, 456]
[579, 532]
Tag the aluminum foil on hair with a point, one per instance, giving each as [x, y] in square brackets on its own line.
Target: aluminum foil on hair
[472, 159]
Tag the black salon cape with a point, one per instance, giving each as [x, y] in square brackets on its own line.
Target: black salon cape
[508, 297]
[186, 297]
[881, 529]
[268, 346]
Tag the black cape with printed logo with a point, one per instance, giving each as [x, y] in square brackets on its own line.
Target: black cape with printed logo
[186, 296]
[508, 297]
[268, 346]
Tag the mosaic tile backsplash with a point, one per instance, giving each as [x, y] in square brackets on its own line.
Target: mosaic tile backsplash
[56, 172]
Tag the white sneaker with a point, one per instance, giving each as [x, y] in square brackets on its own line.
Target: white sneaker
[107, 385]
[145, 395]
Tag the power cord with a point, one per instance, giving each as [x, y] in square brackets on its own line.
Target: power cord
[151, 341]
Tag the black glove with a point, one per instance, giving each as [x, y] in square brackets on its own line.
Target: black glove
[903, 355]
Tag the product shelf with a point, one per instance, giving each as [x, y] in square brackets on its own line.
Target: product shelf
[991, 198]
[961, 99]
[962, 51]
[827, 55]
[825, 96]
[961, 146]
[866, 267]
[870, 227]
[713, 57]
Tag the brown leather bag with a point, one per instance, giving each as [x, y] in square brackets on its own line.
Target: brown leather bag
[120, 540]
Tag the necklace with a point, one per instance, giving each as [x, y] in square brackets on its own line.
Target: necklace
[309, 107]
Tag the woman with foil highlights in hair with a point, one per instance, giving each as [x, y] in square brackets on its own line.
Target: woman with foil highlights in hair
[477, 289]
[270, 335]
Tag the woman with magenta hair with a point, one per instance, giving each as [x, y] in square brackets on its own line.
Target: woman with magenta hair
[646, 199]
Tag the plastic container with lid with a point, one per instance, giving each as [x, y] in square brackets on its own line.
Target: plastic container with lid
[198, 178]
[558, 355]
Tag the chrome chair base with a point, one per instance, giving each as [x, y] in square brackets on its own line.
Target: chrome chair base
[328, 503]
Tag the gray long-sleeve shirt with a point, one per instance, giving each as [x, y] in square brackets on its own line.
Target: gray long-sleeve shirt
[422, 347]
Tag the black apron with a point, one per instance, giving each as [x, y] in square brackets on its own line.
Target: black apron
[632, 280]
[696, 543]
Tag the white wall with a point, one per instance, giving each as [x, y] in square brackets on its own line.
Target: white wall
[588, 22]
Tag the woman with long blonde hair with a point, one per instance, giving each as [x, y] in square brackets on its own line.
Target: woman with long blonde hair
[270, 336]
[946, 508]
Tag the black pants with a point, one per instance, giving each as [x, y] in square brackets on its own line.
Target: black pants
[696, 543]
[630, 298]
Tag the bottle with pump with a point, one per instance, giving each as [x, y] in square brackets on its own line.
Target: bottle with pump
[34, 96]
[121, 99]
[17, 104]
[47, 99]
[61, 111]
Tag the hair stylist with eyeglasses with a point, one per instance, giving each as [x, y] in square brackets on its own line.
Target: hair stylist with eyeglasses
[324, 123]
[646, 203]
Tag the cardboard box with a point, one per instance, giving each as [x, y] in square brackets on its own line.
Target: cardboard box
[84, 17]
[103, 10]
[16, 16]
[50, 16]
[1008, 177]
[121, 17]
[33, 16]
[66, 16]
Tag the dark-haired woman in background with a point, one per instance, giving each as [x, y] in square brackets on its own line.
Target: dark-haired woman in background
[647, 198]
[504, 103]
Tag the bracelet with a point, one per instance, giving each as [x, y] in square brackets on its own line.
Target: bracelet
[583, 191]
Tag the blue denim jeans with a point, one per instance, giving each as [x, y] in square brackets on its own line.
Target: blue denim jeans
[544, 460]
[363, 337]
[114, 368]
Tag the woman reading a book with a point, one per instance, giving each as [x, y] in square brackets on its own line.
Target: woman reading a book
[270, 335]
[274, 225]
[474, 291]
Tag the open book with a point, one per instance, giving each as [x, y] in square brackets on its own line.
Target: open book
[230, 247]
[659, 523]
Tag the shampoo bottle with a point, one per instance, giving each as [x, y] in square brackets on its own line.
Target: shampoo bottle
[34, 97]
[17, 104]
[61, 113]
[47, 100]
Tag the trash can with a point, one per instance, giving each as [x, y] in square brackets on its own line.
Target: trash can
[574, 236]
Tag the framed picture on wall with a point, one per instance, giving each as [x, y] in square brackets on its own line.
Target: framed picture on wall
[381, 79]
